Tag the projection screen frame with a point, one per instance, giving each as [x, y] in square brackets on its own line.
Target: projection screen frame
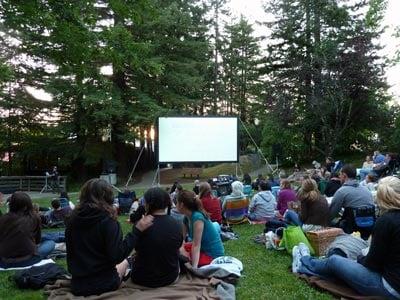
[157, 137]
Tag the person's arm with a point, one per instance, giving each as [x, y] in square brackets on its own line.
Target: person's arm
[118, 248]
[198, 228]
[378, 248]
[336, 204]
[253, 203]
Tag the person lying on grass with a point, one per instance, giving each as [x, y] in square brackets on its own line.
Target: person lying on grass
[96, 249]
[206, 241]
[378, 273]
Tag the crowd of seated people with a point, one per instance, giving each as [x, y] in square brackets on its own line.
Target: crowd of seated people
[168, 225]
[377, 273]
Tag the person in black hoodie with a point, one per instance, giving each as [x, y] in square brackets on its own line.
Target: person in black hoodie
[156, 261]
[96, 249]
[377, 273]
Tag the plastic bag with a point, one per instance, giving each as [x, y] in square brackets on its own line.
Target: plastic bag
[292, 236]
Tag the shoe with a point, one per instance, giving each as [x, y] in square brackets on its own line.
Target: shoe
[303, 249]
[296, 259]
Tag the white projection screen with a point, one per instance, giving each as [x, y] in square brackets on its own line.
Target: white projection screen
[197, 139]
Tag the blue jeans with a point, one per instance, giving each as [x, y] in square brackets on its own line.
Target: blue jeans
[292, 218]
[57, 236]
[364, 173]
[360, 278]
[45, 248]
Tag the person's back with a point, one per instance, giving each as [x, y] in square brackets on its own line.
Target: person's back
[18, 237]
[235, 205]
[213, 206]
[94, 240]
[211, 243]
[156, 262]
[263, 204]
[350, 195]
[315, 212]
[235, 208]
[285, 196]
[332, 186]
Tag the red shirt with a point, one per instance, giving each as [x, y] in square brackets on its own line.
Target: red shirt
[213, 207]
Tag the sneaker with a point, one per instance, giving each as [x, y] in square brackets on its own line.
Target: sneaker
[296, 259]
[303, 249]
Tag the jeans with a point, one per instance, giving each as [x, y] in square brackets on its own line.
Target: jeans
[292, 218]
[45, 248]
[360, 278]
[57, 236]
[364, 173]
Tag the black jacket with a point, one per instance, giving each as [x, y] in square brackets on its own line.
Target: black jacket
[384, 253]
[94, 246]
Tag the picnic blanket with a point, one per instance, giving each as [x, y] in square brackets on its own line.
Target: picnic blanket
[336, 288]
[40, 263]
[188, 286]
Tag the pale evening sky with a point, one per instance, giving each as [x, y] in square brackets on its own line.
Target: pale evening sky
[253, 11]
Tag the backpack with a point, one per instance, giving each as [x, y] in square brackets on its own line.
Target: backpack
[37, 277]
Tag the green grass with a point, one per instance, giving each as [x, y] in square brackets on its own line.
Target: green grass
[265, 276]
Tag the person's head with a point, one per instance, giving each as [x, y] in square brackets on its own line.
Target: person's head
[327, 175]
[329, 160]
[237, 188]
[196, 182]
[388, 193]
[309, 190]
[368, 158]
[55, 204]
[348, 172]
[376, 152]
[264, 186]
[285, 184]
[97, 194]
[370, 177]
[156, 199]
[204, 189]
[188, 203]
[55, 168]
[246, 179]
[20, 203]
[64, 195]
[335, 175]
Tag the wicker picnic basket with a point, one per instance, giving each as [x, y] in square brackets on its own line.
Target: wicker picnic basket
[321, 239]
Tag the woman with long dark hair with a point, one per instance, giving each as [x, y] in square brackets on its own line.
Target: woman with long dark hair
[210, 203]
[314, 207]
[96, 249]
[20, 234]
[206, 242]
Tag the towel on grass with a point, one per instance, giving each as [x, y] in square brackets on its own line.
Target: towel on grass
[188, 286]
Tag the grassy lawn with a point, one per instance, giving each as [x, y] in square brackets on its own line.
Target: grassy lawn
[265, 275]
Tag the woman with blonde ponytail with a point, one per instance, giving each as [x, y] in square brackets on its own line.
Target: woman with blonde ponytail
[206, 242]
[314, 207]
[377, 273]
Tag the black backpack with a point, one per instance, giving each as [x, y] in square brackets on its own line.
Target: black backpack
[37, 277]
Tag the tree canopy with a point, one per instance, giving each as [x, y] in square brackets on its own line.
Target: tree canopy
[315, 85]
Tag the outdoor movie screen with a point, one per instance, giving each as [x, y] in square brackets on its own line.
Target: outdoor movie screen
[197, 139]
